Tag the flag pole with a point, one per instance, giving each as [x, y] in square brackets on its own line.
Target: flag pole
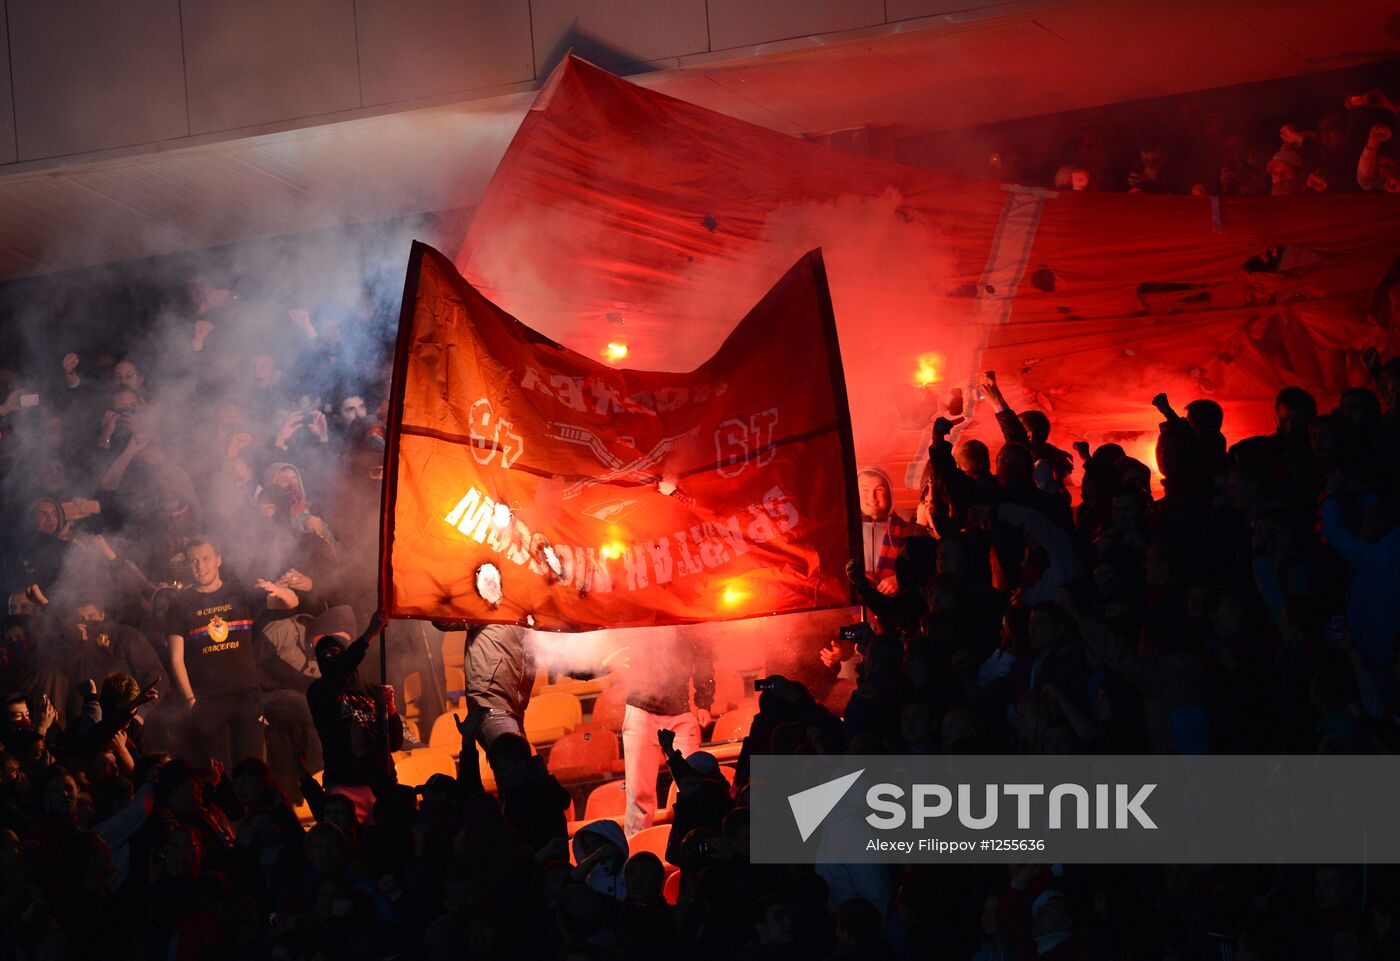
[389, 490]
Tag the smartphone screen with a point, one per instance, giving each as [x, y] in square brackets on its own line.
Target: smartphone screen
[1338, 627]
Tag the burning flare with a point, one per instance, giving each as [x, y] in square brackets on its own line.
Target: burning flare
[733, 595]
[929, 370]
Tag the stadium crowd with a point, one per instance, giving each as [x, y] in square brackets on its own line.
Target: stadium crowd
[1251, 607]
[190, 562]
[1202, 150]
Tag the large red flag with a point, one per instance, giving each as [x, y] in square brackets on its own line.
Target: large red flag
[530, 484]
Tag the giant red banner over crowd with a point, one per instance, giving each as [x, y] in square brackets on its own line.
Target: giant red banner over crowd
[671, 215]
[530, 484]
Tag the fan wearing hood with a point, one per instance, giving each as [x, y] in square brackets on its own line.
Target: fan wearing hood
[601, 850]
[296, 559]
[50, 549]
[288, 477]
[43, 543]
[347, 709]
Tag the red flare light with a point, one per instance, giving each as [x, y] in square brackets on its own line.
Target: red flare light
[733, 594]
[929, 370]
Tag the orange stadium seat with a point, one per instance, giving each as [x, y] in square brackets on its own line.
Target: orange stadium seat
[456, 680]
[550, 716]
[579, 689]
[606, 802]
[304, 815]
[445, 735]
[734, 725]
[651, 839]
[727, 737]
[412, 694]
[726, 769]
[608, 799]
[587, 751]
[454, 648]
[609, 708]
[415, 767]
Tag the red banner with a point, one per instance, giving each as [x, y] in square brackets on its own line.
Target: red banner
[530, 484]
[1085, 303]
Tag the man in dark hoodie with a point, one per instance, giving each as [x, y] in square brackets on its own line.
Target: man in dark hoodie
[97, 645]
[350, 716]
[287, 667]
[1015, 477]
[42, 545]
[532, 799]
[1030, 429]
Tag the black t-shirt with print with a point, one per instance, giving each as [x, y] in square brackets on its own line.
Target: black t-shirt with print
[218, 629]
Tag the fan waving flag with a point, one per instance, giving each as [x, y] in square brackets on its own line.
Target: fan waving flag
[533, 485]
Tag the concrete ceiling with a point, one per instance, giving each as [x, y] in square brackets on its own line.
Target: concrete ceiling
[940, 72]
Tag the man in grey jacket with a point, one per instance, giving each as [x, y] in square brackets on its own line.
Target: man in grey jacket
[500, 670]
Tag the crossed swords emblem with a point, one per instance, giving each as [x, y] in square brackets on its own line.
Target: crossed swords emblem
[641, 468]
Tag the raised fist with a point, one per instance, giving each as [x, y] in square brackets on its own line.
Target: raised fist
[943, 426]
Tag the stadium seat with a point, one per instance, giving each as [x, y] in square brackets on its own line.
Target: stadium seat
[671, 891]
[304, 815]
[610, 707]
[454, 648]
[445, 735]
[734, 725]
[488, 777]
[415, 767]
[726, 769]
[412, 694]
[608, 799]
[456, 683]
[550, 716]
[606, 802]
[579, 689]
[586, 751]
[727, 738]
[651, 839]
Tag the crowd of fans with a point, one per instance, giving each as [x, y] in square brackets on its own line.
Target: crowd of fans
[1348, 150]
[191, 550]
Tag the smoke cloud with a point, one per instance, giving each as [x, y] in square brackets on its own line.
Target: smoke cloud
[890, 307]
[192, 445]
